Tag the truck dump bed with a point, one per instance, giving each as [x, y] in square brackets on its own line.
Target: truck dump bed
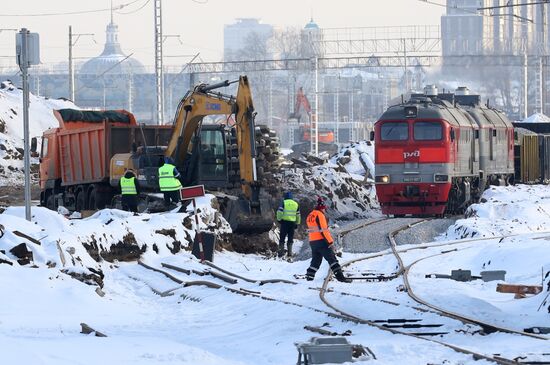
[87, 142]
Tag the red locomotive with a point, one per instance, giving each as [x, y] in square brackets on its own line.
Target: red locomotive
[436, 153]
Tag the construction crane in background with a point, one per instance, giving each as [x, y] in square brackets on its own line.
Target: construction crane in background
[326, 137]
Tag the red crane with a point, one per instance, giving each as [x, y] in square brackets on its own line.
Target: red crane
[325, 136]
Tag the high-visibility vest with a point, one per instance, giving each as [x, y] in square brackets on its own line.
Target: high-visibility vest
[289, 211]
[167, 181]
[317, 227]
[128, 186]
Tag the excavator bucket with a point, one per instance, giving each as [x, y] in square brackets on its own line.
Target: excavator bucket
[246, 219]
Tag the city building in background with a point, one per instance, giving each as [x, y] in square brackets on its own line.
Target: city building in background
[240, 37]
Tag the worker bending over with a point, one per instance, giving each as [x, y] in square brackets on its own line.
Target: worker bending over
[321, 243]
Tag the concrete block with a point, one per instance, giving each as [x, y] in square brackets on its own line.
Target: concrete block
[491, 275]
[461, 275]
[323, 350]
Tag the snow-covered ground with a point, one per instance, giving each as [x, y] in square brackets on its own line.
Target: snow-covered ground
[42, 307]
[11, 128]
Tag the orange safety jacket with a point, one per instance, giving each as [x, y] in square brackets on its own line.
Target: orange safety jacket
[317, 227]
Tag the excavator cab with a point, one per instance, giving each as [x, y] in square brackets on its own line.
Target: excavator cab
[207, 162]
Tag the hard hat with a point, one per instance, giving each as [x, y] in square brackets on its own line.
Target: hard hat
[288, 195]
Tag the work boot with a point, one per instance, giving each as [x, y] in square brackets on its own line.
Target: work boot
[281, 253]
[340, 277]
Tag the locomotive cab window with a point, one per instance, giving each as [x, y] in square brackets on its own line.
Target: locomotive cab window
[394, 131]
[428, 131]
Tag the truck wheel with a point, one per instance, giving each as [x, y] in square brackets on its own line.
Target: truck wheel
[96, 200]
[80, 201]
[92, 200]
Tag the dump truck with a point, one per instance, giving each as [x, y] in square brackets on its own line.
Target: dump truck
[76, 165]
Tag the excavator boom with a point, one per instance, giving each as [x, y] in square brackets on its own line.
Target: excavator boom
[249, 211]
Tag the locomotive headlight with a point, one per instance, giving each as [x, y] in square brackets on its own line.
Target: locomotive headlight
[441, 178]
[383, 179]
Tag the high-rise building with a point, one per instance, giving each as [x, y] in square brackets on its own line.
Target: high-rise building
[236, 36]
[464, 28]
[511, 27]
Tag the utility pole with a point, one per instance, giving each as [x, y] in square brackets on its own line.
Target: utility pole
[270, 107]
[158, 63]
[406, 79]
[544, 53]
[71, 59]
[130, 91]
[336, 110]
[525, 97]
[27, 49]
[314, 130]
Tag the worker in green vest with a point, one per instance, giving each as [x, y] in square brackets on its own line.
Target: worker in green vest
[288, 215]
[129, 188]
[169, 182]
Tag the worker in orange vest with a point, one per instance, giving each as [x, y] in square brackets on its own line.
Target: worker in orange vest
[321, 243]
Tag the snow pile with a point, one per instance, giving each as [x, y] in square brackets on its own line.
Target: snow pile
[518, 217]
[110, 235]
[504, 211]
[537, 118]
[357, 158]
[11, 128]
[345, 181]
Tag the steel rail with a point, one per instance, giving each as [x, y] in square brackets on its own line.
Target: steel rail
[463, 318]
[323, 290]
[338, 315]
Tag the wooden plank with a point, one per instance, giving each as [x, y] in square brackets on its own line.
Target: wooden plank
[519, 289]
[26, 236]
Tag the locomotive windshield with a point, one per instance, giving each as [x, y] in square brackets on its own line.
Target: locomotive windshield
[394, 131]
[427, 131]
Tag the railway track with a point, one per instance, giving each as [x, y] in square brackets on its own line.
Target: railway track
[429, 315]
[416, 319]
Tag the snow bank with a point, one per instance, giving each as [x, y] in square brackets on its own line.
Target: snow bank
[11, 128]
[110, 235]
[519, 219]
[506, 210]
[536, 118]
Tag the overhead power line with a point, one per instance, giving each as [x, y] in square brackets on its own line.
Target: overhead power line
[514, 5]
[134, 11]
[119, 7]
[518, 18]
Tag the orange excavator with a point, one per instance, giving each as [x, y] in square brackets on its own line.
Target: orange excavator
[326, 136]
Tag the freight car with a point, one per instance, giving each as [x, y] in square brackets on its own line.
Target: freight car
[532, 152]
[437, 152]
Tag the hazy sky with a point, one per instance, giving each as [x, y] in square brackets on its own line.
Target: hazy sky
[199, 23]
